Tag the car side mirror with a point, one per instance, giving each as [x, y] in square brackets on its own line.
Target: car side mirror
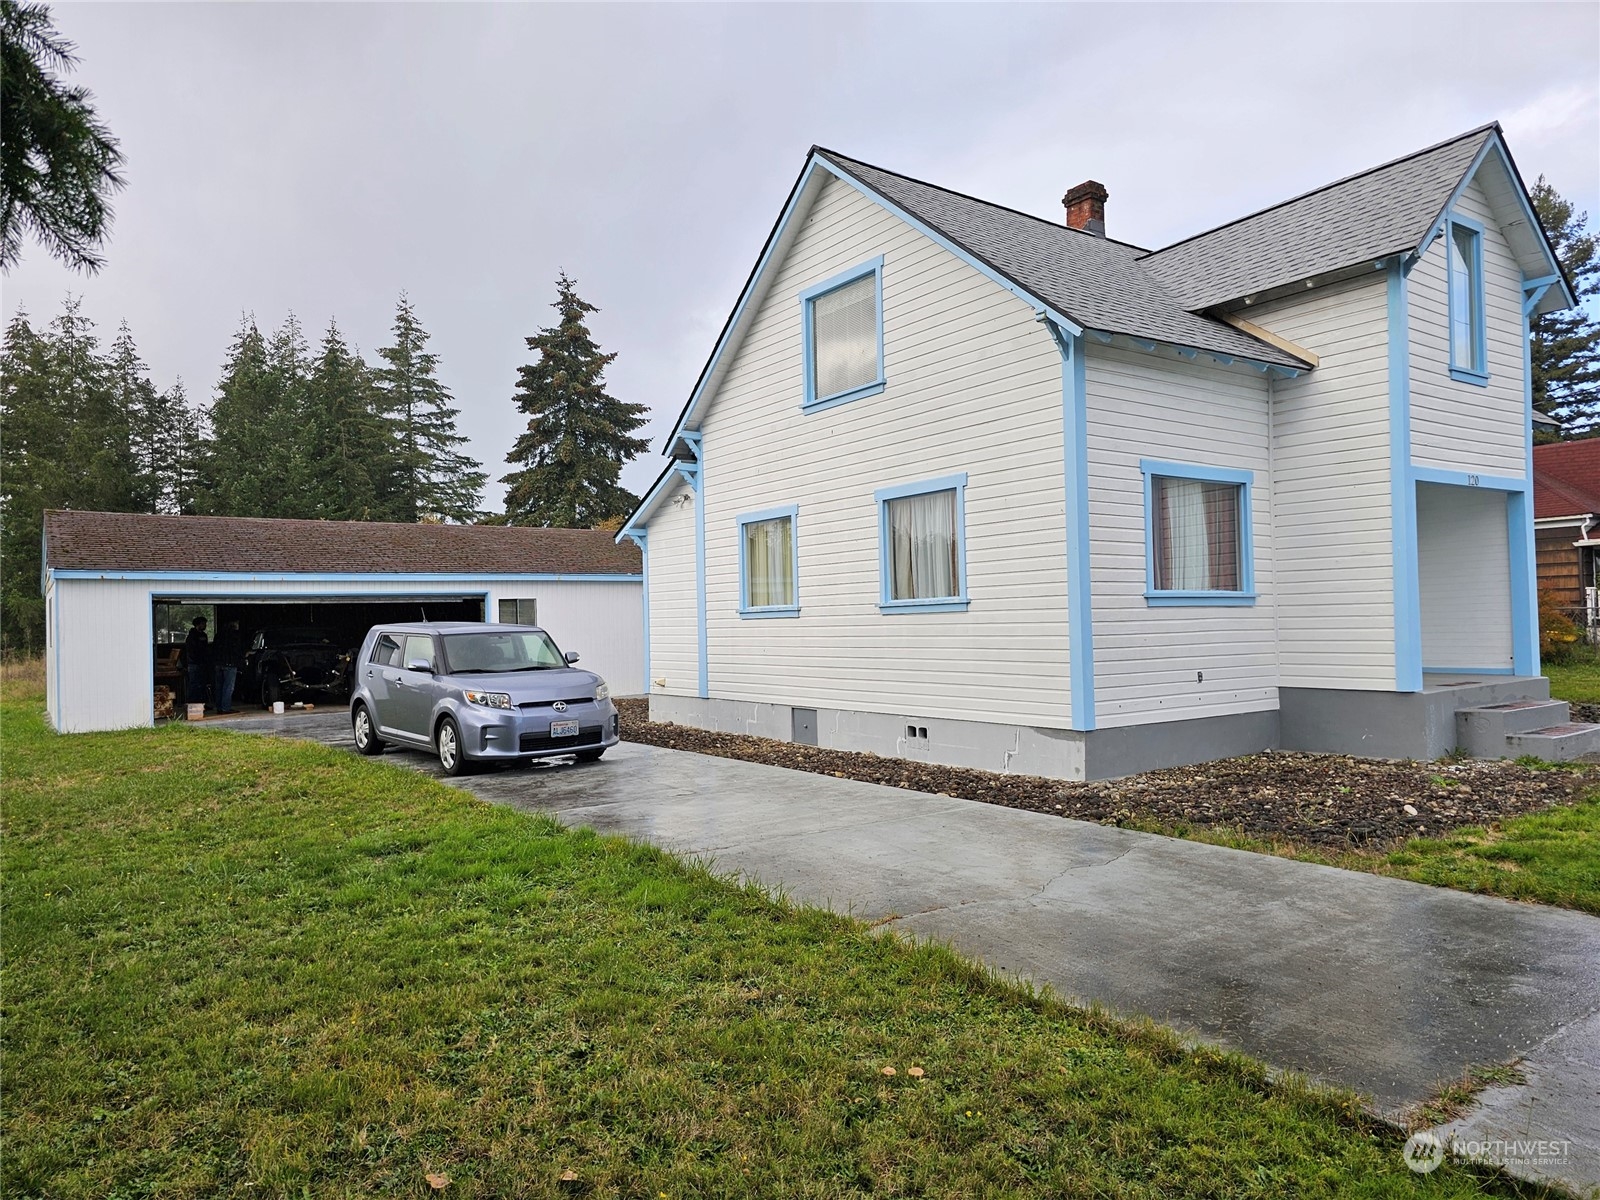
[420, 664]
[571, 656]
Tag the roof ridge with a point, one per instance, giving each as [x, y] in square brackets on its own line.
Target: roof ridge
[1062, 226]
[1383, 166]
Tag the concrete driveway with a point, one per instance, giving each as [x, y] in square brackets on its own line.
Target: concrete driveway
[1381, 986]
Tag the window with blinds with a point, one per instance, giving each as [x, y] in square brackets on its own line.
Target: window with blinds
[843, 331]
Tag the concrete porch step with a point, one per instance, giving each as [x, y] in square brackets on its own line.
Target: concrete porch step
[1482, 729]
[1557, 743]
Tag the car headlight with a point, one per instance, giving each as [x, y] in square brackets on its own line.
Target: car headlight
[601, 691]
[490, 699]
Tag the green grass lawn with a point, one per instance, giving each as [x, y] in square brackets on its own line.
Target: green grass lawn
[238, 966]
[1552, 857]
[1578, 682]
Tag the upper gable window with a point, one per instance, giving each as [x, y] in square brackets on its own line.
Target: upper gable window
[842, 321]
[1464, 246]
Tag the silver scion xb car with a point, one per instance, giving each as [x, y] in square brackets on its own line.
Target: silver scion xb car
[476, 692]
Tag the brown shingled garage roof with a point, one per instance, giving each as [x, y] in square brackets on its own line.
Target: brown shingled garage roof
[99, 541]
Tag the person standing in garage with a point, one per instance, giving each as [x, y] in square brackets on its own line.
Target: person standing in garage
[196, 663]
[227, 655]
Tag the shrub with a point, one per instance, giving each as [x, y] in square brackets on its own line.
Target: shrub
[1558, 633]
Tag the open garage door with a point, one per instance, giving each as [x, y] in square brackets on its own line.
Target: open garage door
[291, 649]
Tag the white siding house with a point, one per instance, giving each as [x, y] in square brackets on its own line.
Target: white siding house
[969, 486]
[106, 573]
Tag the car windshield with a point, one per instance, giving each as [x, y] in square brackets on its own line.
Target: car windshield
[488, 653]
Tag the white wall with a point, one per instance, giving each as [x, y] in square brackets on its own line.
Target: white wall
[1458, 426]
[974, 386]
[674, 618]
[1335, 560]
[1463, 562]
[1147, 660]
[100, 655]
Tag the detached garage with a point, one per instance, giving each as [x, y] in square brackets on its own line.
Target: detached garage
[121, 590]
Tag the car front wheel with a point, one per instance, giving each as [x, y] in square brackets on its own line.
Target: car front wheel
[367, 740]
[448, 743]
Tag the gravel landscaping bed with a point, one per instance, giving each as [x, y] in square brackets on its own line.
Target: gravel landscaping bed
[1325, 800]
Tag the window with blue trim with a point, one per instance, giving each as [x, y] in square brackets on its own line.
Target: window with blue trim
[923, 546]
[1464, 248]
[1197, 538]
[842, 320]
[769, 564]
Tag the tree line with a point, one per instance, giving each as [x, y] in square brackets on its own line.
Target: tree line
[292, 430]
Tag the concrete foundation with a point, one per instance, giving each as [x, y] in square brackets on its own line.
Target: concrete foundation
[1416, 725]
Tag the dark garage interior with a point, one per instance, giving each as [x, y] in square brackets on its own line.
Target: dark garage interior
[295, 651]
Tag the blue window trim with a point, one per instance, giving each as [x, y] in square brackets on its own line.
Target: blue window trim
[1475, 373]
[752, 612]
[946, 483]
[811, 402]
[1155, 597]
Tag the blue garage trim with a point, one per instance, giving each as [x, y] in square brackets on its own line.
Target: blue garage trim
[1245, 596]
[1469, 671]
[1403, 491]
[1488, 483]
[338, 577]
[1519, 516]
[1075, 478]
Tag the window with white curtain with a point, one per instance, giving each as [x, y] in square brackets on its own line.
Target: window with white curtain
[1197, 535]
[1465, 248]
[923, 545]
[843, 319]
[767, 564]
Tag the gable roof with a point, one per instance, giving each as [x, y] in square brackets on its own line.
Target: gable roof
[1096, 282]
[101, 541]
[1394, 208]
[1566, 478]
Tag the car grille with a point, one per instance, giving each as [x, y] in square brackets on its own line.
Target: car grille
[588, 735]
[570, 702]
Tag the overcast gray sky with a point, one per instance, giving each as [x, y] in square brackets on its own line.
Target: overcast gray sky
[319, 158]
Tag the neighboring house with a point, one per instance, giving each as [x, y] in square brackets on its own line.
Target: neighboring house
[113, 582]
[1566, 509]
[965, 485]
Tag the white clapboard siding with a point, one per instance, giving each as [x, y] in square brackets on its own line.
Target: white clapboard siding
[973, 386]
[1335, 564]
[1148, 662]
[1459, 426]
[674, 667]
[1463, 566]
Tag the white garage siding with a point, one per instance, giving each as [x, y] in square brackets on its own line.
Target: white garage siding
[1459, 426]
[973, 386]
[674, 667]
[1147, 661]
[1464, 573]
[99, 656]
[1335, 554]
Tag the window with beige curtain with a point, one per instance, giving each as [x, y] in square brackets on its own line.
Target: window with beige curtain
[769, 563]
[1196, 535]
[922, 547]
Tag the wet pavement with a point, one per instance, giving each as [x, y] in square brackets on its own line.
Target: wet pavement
[1385, 987]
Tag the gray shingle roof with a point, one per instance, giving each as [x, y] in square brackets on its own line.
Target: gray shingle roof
[98, 541]
[1096, 282]
[1379, 212]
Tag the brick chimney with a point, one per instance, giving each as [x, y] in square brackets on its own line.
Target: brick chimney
[1086, 207]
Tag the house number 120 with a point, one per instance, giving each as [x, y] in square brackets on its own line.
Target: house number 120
[1472, 481]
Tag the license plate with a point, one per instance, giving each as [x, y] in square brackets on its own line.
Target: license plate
[563, 729]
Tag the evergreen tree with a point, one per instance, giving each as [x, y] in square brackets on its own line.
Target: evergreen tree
[58, 163]
[140, 405]
[1566, 345]
[578, 435]
[177, 470]
[257, 460]
[354, 455]
[434, 478]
